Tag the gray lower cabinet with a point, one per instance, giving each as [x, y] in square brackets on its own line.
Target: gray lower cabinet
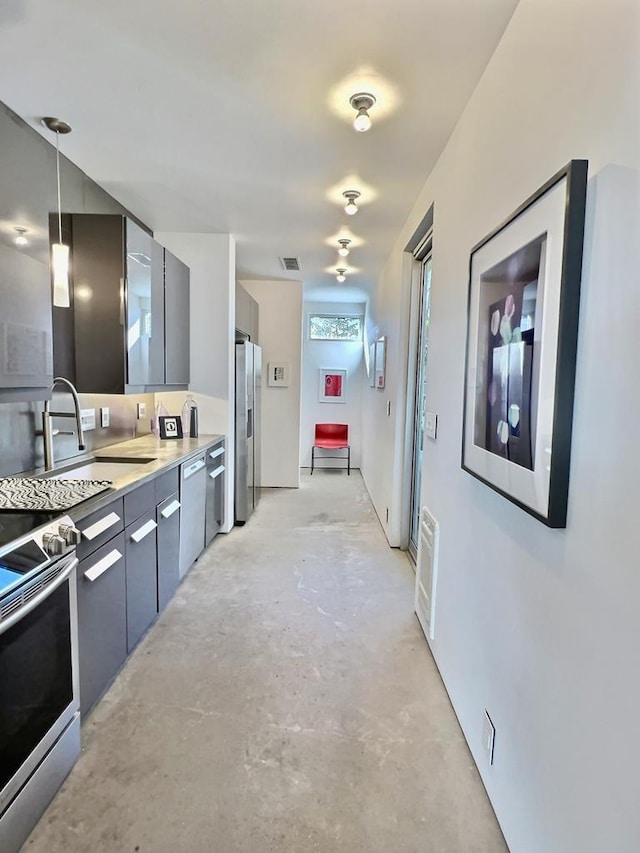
[102, 619]
[142, 584]
[168, 532]
[214, 517]
[133, 552]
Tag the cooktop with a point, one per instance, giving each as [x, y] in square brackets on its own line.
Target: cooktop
[35, 493]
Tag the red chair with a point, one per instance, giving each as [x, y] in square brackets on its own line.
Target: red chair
[331, 437]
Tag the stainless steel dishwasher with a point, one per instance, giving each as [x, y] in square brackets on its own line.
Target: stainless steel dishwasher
[193, 496]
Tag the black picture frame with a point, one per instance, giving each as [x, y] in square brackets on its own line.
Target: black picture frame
[520, 361]
[170, 426]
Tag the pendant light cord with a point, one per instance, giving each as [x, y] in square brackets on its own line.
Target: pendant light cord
[58, 175]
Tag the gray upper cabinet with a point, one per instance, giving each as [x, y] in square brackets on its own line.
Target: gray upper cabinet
[176, 306]
[123, 328]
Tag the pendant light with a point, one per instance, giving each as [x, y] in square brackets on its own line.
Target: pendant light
[21, 240]
[343, 251]
[341, 274]
[362, 103]
[59, 250]
[351, 207]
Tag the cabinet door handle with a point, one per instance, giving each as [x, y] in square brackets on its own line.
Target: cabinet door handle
[168, 511]
[193, 469]
[147, 528]
[102, 565]
[217, 472]
[215, 453]
[100, 526]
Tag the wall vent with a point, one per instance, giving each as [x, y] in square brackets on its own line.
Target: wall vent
[291, 264]
[427, 572]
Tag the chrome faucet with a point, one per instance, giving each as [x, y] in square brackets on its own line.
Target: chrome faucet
[47, 414]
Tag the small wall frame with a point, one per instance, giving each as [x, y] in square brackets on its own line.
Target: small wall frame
[278, 375]
[332, 386]
[380, 361]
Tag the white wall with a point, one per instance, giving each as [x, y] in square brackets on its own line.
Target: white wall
[212, 261]
[539, 626]
[280, 336]
[339, 354]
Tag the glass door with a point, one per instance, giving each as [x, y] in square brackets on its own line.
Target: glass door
[420, 401]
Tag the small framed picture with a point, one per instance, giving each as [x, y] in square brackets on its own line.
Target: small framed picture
[170, 426]
[381, 361]
[279, 374]
[333, 385]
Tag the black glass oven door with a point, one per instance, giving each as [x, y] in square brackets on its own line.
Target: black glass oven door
[36, 678]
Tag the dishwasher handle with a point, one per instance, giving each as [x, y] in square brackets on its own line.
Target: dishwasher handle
[192, 469]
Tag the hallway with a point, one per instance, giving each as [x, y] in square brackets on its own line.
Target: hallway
[285, 701]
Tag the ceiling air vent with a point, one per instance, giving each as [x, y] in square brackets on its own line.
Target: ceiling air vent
[290, 264]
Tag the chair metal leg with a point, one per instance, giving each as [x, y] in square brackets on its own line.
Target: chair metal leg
[312, 458]
[348, 461]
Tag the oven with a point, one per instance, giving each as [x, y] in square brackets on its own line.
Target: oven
[39, 691]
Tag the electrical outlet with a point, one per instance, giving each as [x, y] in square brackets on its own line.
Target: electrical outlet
[488, 736]
[104, 416]
[431, 424]
[142, 410]
[88, 419]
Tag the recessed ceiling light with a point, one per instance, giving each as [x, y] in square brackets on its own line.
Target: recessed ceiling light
[351, 207]
[341, 274]
[362, 102]
[344, 247]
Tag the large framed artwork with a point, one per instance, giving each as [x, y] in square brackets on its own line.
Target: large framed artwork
[522, 329]
[332, 386]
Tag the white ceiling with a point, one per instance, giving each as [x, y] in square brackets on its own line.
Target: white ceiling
[233, 115]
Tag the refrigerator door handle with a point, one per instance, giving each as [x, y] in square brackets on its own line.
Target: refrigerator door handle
[249, 423]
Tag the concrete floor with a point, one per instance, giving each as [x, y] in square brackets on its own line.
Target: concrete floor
[285, 701]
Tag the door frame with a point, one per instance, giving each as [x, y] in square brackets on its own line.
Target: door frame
[418, 249]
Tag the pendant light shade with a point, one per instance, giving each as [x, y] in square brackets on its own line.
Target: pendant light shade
[59, 250]
[60, 267]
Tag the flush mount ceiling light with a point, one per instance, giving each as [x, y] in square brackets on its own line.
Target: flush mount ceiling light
[351, 207]
[341, 274]
[362, 102]
[21, 240]
[59, 251]
[344, 247]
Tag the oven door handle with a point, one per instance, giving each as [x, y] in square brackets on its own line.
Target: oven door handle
[39, 598]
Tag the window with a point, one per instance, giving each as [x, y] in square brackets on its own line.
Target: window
[326, 327]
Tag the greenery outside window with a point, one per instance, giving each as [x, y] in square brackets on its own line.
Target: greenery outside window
[329, 327]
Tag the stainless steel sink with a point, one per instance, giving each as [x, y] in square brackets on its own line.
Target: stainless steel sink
[100, 468]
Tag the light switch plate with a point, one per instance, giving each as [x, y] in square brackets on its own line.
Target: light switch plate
[142, 410]
[104, 416]
[431, 424]
[88, 419]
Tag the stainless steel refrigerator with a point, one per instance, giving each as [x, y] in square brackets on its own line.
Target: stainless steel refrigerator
[248, 397]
